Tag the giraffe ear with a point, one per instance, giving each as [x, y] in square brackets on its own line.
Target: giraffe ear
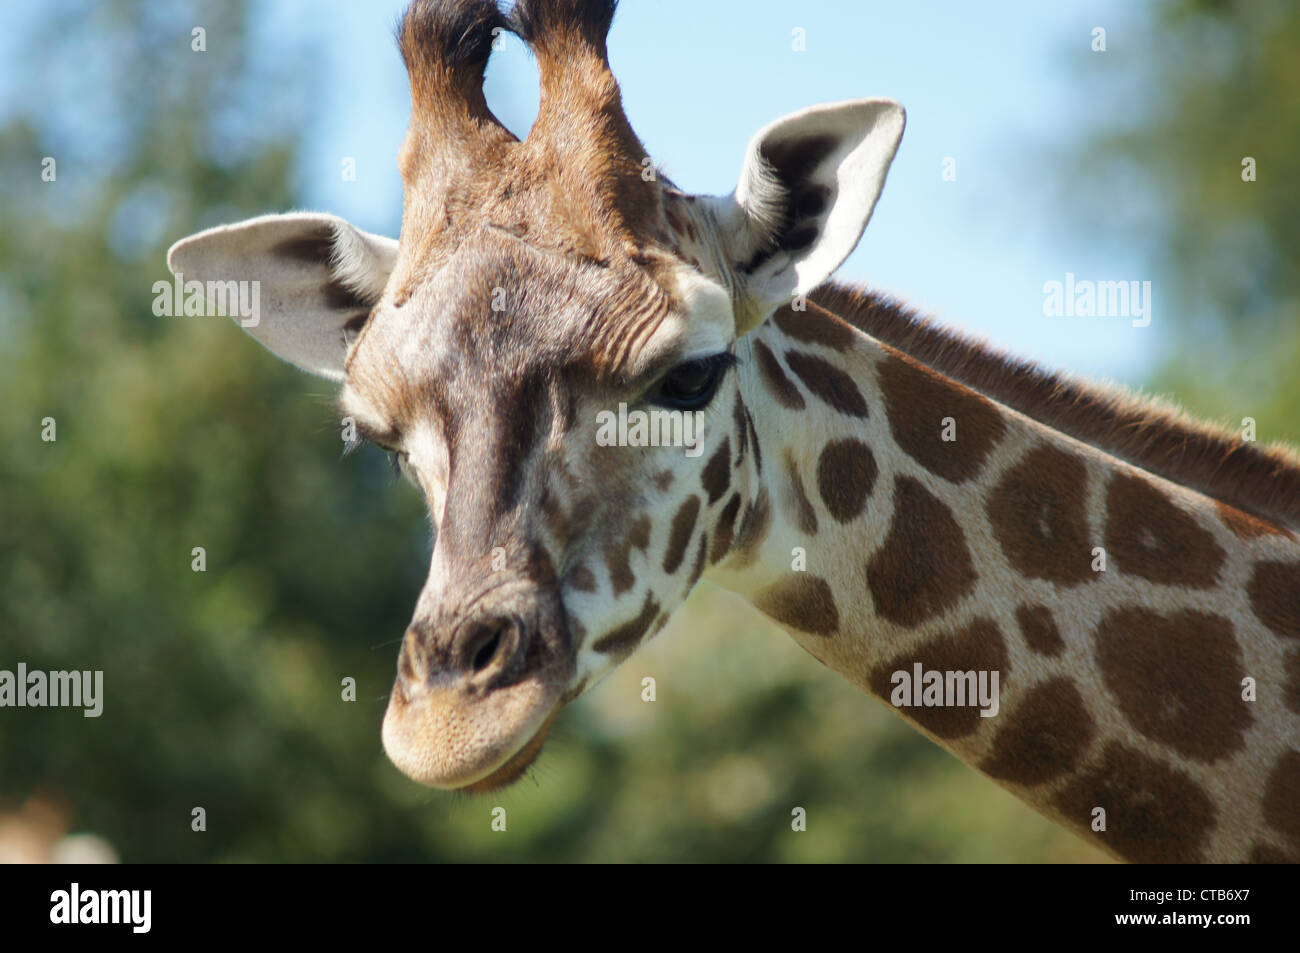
[806, 192]
[312, 280]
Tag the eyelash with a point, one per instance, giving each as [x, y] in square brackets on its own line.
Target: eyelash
[395, 457]
[713, 365]
[723, 360]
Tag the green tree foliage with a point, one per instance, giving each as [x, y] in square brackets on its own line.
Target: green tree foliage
[173, 433]
[1209, 140]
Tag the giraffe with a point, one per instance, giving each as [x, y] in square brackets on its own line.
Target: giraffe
[901, 499]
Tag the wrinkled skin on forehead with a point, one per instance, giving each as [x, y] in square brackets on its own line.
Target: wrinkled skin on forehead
[508, 309]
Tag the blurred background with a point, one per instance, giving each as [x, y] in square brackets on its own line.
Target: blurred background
[223, 687]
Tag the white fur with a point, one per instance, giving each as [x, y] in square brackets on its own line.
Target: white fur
[868, 133]
[295, 324]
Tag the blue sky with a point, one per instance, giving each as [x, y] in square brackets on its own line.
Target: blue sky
[998, 87]
[1006, 89]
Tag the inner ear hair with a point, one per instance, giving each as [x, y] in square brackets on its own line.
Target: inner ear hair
[765, 206]
[354, 266]
[786, 205]
[355, 284]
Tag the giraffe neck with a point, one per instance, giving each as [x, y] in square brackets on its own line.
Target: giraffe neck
[1145, 637]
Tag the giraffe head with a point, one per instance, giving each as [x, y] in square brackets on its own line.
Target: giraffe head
[544, 295]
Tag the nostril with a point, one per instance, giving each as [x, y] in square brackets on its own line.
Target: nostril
[488, 650]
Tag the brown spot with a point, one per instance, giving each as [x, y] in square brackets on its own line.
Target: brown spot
[846, 475]
[781, 387]
[1148, 536]
[725, 529]
[538, 567]
[796, 500]
[742, 430]
[583, 579]
[1039, 517]
[621, 641]
[639, 534]
[1039, 629]
[828, 383]
[616, 554]
[1282, 797]
[1274, 591]
[754, 526]
[1246, 525]
[801, 602]
[978, 647]
[917, 400]
[574, 692]
[1048, 731]
[753, 441]
[679, 536]
[698, 569]
[1154, 813]
[664, 480]
[717, 472]
[816, 326]
[924, 567]
[1177, 678]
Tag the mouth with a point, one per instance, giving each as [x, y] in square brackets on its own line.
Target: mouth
[457, 734]
[515, 766]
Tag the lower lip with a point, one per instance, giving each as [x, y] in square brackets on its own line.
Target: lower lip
[517, 764]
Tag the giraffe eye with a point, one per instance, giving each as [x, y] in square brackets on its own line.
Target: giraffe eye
[692, 384]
